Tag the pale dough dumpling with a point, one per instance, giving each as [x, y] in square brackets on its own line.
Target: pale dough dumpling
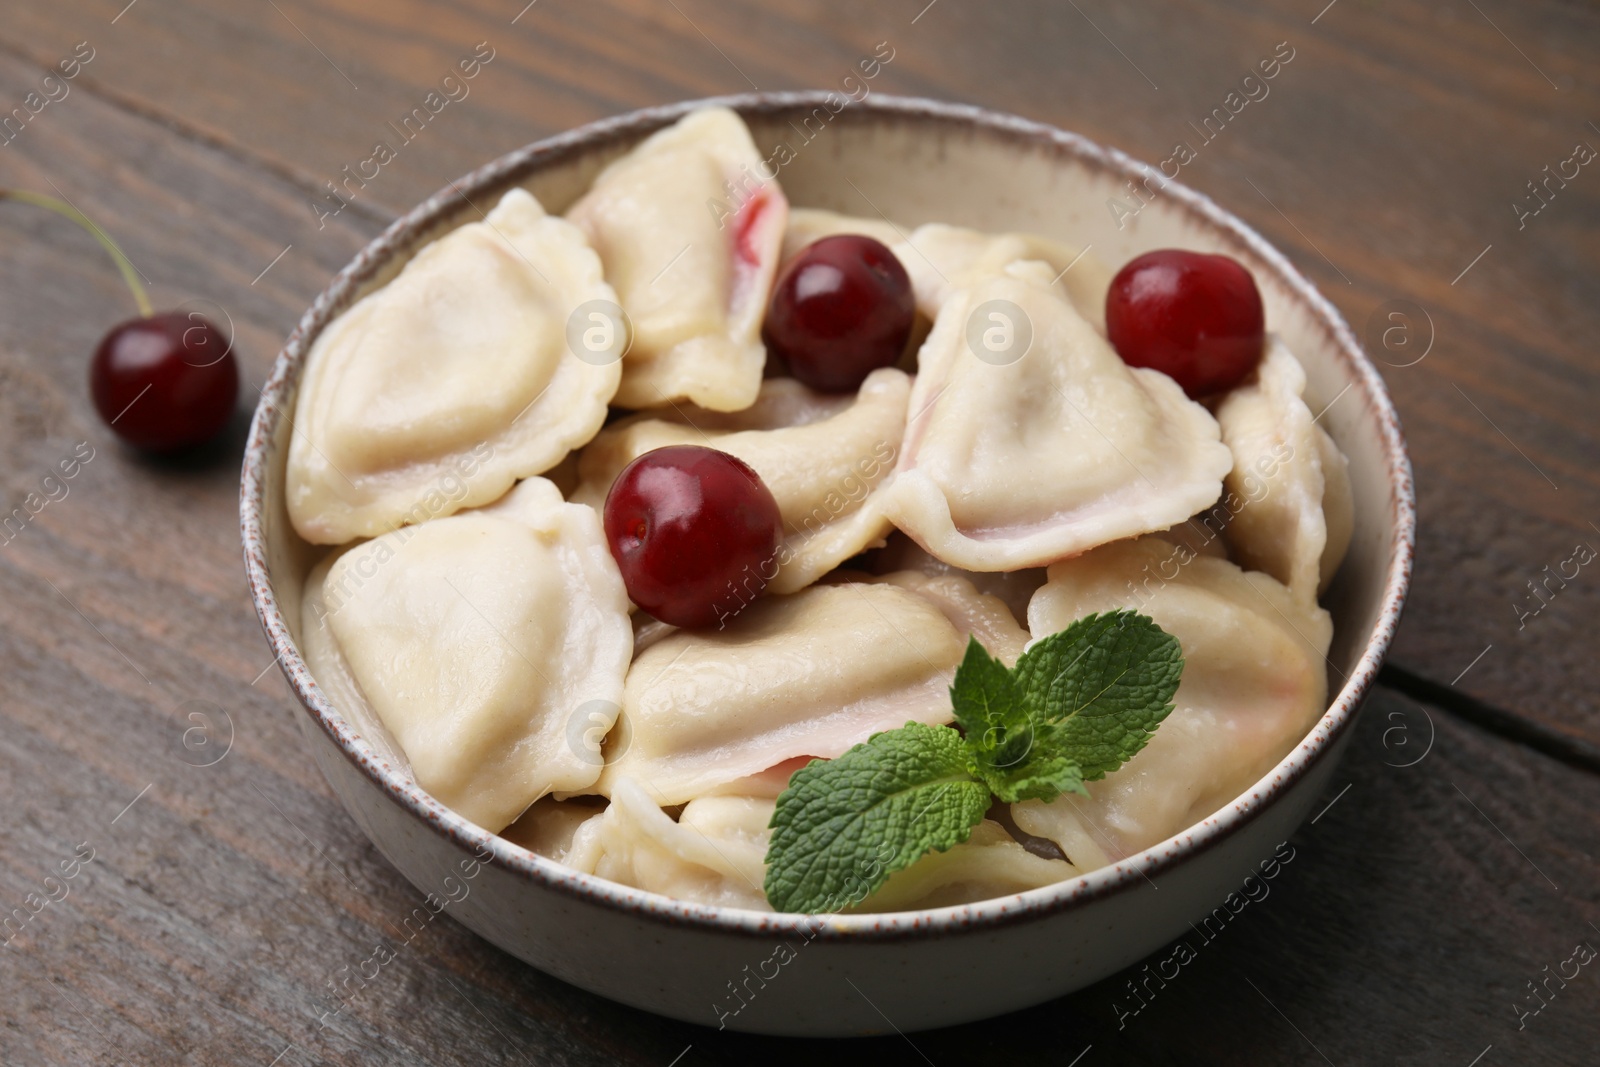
[549, 826]
[945, 259]
[968, 609]
[986, 865]
[715, 853]
[1015, 588]
[690, 232]
[808, 224]
[1290, 483]
[439, 390]
[1338, 507]
[1254, 683]
[792, 677]
[484, 644]
[823, 456]
[1049, 444]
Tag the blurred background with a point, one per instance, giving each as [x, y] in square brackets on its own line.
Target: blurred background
[1416, 160]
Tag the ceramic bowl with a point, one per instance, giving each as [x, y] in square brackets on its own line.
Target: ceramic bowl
[914, 161]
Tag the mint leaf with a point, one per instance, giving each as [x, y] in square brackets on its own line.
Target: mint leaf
[1013, 750]
[1045, 774]
[1078, 705]
[990, 710]
[844, 825]
[1103, 684]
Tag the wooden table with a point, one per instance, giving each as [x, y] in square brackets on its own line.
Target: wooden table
[1458, 856]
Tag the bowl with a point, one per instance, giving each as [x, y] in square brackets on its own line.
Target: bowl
[914, 161]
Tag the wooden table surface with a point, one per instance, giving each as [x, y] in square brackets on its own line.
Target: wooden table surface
[1459, 859]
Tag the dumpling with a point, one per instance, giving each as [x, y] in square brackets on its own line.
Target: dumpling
[811, 674]
[969, 610]
[1031, 455]
[944, 259]
[689, 233]
[1254, 683]
[439, 390]
[808, 224]
[715, 853]
[1289, 489]
[986, 865]
[823, 456]
[1200, 535]
[1338, 507]
[478, 641]
[1015, 588]
[549, 825]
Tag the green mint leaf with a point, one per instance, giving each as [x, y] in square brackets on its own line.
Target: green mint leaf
[990, 710]
[1102, 686]
[1011, 749]
[1044, 774]
[844, 825]
[1078, 705]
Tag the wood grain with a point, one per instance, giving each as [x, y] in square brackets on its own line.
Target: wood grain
[220, 903]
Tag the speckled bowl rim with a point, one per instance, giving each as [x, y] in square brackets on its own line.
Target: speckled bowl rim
[1037, 903]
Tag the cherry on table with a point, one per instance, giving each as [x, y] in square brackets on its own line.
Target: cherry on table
[695, 533]
[165, 382]
[841, 308]
[1194, 316]
[161, 382]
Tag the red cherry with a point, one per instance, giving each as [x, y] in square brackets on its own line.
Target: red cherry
[165, 382]
[1196, 317]
[695, 533]
[842, 308]
[161, 382]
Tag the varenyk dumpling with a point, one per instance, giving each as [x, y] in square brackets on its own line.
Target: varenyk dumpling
[1030, 440]
[1254, 682]
[715, 851]
[477, 641]
[808, 225]
[944, 259]
[797, 677]
[690, 231]
[439, 390]
[1290, 485]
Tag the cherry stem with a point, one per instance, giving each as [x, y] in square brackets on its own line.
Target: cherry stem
[61, 207]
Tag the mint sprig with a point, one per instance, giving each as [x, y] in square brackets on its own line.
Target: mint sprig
[1100, 687]
[844, 824]
[1078, 705]
[1012, 747]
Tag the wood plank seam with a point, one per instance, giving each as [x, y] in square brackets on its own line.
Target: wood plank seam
[1571, 750]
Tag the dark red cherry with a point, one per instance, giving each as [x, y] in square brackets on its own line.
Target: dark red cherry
[165, 382]
[842, 307]
[695, 533]
[1197, 317]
